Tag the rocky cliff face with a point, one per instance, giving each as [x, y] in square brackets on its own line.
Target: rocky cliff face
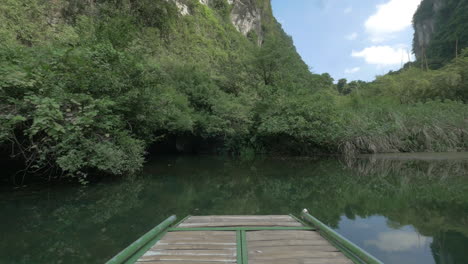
[424, 23]
[246, 15]
[440, 31]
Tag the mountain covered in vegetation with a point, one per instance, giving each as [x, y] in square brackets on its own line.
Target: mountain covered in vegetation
[90, 86]
[440, 31]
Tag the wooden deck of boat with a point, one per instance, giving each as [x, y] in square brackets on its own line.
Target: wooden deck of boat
[269, 239]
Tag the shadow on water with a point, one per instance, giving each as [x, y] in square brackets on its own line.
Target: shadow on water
[401, 210]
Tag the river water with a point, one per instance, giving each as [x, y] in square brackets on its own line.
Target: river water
[401, 208]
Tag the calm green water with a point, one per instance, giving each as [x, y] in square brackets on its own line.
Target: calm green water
[402, 209]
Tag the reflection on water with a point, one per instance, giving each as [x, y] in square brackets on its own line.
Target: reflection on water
[408, 210]
[393, 245]
[394, 241]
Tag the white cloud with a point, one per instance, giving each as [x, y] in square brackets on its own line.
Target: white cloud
[396, 241]
[351, 36]
[384, 55]
[391, 17]
[352, 70]
[381, 38]
[348, 10]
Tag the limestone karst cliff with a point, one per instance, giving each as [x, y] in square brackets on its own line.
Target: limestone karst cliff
[440, 30]
[245, 15]
[424, 24]
[191, 29]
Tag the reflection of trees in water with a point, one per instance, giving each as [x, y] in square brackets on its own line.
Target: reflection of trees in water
[69, 225]
[88, 225]
[431, 195]
[429, 168]
[432, 191]
[449, 248]
[328, 190]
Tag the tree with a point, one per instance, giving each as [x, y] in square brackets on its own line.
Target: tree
[341, 85]
[268, 61]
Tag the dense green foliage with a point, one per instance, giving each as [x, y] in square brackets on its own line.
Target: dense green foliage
[413, 110]
[450, 35]
[88, 86]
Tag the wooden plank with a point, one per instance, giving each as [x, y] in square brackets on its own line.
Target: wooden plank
[202, 233]
[183, 262]
[287, 253]
[281, 232]
[293, 252]
[170, 236]
[195, 242]
[291, 246]
[199, 238]
[313, 248]
[239, 217]
[283, 235]
[244, 228]
[303, 261]
[194, 246]
[212, 219]
[199, 252]
[263, 243]
[240, 221]
[243, 223]
[188, 258]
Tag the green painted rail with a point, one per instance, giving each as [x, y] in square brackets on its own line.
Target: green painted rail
[348, 246]
[131, 250]
[243, 246]
[239, 246]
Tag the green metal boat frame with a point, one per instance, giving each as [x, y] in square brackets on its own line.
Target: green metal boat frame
[351, 250]
[138, 248]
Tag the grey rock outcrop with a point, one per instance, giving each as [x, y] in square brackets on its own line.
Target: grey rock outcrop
[246, 16]
[424, 29]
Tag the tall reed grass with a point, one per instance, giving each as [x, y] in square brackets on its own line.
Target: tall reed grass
[431, 126]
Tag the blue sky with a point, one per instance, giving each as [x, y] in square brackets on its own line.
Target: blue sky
[352, 39]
